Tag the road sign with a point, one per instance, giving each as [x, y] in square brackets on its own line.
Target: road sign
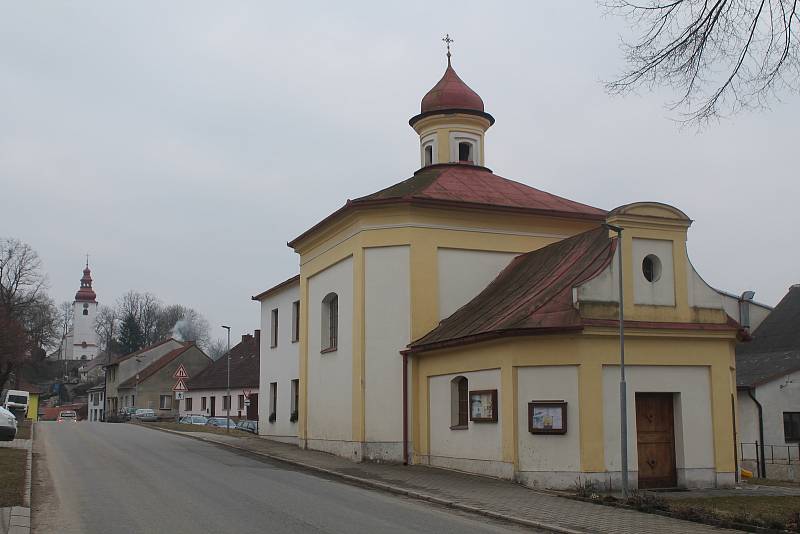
[179, 395]
[180, 372]
[247, 402]
[179, 386]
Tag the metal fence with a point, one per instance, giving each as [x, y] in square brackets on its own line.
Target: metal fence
[773, 454]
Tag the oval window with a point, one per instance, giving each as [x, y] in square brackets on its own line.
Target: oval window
[651, 268]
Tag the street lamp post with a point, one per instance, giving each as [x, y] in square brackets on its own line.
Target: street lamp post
[228, 422]
[623, 388]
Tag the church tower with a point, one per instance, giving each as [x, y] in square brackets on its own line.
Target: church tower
[84, 308]
[452, 121]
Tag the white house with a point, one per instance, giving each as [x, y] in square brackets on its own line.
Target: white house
[97, 396]
[768, 397]
[208, 390]
[279, 374]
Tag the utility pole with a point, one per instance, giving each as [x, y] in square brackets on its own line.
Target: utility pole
[623, 388]
[228, 422]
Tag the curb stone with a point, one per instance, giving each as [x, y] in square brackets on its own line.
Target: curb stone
[389, 487]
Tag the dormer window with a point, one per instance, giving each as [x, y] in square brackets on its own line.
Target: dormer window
[465, 152]
[428, 156]
[465, 148]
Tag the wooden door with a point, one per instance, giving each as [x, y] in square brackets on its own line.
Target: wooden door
[213, 406]
[655, 440]
[252, 410]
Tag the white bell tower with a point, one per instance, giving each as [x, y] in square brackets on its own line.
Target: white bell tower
[84, 338]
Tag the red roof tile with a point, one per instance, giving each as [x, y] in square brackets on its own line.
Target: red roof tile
[533, 294]
[469, 186]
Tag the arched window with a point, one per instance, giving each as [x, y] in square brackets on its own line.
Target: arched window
[465, 152]
[330, 322]
[459, 403]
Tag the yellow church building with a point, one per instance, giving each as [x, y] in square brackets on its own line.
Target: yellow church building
[463, 320]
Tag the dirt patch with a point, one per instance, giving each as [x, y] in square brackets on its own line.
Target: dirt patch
[779, 512]
[12, 476]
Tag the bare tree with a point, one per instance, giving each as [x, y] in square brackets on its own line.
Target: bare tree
[217, 348]
[192, 327]
[105, 324]
[21, 281]
[14, 345]
[721, 56]
[145, 309]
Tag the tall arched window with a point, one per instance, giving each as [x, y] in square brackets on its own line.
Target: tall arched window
[330, 322]
[459, 403]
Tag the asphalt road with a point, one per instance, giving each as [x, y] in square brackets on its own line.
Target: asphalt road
[120, 478]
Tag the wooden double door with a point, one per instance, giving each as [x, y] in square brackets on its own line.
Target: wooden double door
[655, 440]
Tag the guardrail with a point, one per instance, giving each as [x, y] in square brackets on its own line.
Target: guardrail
[773, 454]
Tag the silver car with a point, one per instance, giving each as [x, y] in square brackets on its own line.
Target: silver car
[8, 425]
[147, 415]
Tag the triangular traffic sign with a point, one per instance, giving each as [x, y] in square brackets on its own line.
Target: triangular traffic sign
[180, 372]
[179, 386]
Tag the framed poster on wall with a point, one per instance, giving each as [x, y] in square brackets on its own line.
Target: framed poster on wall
[547, 417]
[483, 406]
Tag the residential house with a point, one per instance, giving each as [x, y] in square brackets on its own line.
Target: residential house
[122, 368]
[96, 403]
[280, 319]
[154, 386]
[208, 390]
[768, 399]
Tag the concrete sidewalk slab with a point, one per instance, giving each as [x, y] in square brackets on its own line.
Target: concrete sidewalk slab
[483, 495]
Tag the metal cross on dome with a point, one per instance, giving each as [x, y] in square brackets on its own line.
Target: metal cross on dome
[448, 40]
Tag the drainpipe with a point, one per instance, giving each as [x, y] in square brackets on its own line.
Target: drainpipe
[405, 408]
[763, 462]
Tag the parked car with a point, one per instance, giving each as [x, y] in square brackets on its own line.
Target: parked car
[145, 415]
[67, 416]
[16, 402]
[127, 412]
[221, 422]
[193, 420]
[248, 426]
[8, 425]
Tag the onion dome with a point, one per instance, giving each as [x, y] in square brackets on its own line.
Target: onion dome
[451, 95]
[86, 293]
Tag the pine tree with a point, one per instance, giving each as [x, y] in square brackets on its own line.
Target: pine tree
[131, 337]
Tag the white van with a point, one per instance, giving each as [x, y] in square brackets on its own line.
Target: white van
[16, 402]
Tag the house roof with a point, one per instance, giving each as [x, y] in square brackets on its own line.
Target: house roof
[264, 294]
[468, 186]
[533, 294]
[156, 366]
[119, 359]
[775, 347]
[244, 369]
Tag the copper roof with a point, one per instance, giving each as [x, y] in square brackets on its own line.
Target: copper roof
[533, 294]
[468, 186]
[86, 293]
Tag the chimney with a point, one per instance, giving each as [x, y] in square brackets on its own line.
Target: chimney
[244, 337]
[257, 335]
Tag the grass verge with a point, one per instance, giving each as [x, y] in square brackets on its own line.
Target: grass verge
[24, 429]
[12, 476]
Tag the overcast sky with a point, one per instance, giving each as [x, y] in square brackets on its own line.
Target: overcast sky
[182, 144]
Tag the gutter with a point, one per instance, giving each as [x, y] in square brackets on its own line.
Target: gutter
[405, 407]
[762, 463]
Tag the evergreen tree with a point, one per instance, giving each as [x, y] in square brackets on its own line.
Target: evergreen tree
[131, 337]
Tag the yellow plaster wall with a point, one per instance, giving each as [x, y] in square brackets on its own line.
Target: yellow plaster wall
[590, 351]
[425, 230]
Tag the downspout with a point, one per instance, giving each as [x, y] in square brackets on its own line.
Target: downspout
[763, 462]
[405, 408]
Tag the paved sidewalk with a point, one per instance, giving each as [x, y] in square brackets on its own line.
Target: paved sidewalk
[15, 520]
[487, 496]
